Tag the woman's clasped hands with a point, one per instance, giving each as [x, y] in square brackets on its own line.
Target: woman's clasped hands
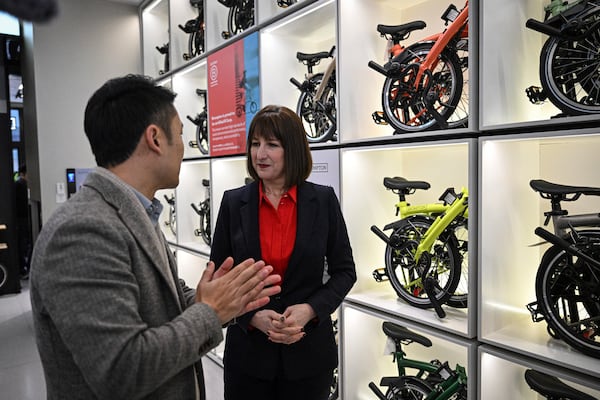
[286, 328]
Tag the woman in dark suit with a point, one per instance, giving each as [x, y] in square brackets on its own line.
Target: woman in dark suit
[286, 350]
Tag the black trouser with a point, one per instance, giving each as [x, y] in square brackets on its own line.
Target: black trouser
[239, 386]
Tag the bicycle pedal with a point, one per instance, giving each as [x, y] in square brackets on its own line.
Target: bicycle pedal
[379, 118]
[536, 95]
[380, 275]
[536, 314]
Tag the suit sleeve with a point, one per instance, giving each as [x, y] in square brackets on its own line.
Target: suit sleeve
[89, 286]
[340, 262]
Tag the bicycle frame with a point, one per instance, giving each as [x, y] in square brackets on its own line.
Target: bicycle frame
[445, 213]
[450, 381]
[441, 41]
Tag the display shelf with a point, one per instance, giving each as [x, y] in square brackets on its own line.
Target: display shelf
[365, 358]
[191, 190]
[227, 173]
[155, 33]
[360, 93]
[180, 13]
[509, 212]
[309, 30]
[509, 63]
[366, 202]
[190, 104]
[501, 376]
[165, 218]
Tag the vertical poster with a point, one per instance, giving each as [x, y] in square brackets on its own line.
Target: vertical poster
[233, 95]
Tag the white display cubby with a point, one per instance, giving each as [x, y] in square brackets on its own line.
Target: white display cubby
[510, 63]
[359, 42]
[509, 212]
[310, 30]
[364, 356]
[155, 33]
[502, 377]
[367, 202]
[190, 104]
[180, 12]
[191, 190]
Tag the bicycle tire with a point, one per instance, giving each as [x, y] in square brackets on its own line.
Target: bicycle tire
[240, 17]
[403, 105]
[405, 275]
[205, 222]
[3, 275]
[317, 124]
[408, 388]
[460, 117]
[202, 136]
[569, 71]
[459, 298]
[567, 290]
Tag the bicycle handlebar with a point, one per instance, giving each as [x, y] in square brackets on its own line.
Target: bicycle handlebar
[542, 27]
[195, 208]
[376, 390]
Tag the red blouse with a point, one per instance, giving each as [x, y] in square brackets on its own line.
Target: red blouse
[277, 228]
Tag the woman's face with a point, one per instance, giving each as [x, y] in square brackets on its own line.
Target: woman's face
[268, 159]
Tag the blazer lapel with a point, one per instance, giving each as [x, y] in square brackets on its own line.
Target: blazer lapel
[306, 214]
[135, 218]
[249, 220]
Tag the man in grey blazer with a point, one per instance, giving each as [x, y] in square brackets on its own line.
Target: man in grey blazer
[111, 317]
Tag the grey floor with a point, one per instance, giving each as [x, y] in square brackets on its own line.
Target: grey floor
[21, 374]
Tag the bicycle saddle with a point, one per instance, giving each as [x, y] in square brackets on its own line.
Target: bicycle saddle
[542, 186]
[401, 333]
[399, 183]
[401, 30]
[552, 388]
[312, 58]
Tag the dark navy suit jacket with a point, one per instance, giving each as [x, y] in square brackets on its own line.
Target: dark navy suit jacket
[320, 272]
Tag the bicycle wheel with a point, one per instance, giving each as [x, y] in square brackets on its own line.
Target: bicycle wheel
[202, 136]
[318, 119]
[408, 388]
[205, 222]
[403, 104]
[460, 117]
[405, 273]
[458, 299]
[567, 290]
[3, 275]
[241, 16]
[570, 70]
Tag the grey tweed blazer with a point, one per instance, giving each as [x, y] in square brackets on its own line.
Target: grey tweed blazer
[110, 322]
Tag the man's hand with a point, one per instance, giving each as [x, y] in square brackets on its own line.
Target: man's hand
[234, 291]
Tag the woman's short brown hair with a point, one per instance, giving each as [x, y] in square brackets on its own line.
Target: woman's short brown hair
[283, 124]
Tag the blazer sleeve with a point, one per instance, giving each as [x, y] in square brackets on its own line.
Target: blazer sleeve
[340, 262]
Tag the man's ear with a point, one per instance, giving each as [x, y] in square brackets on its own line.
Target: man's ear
[152, 138]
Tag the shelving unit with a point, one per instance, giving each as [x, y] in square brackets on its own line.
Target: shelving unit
[508, 141]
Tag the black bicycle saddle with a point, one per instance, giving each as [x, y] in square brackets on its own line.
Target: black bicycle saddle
[402, 184]
[401, 30]
[542, 186]
[401, 333]
[551, 387]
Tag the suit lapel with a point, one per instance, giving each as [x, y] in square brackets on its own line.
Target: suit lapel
[134, 217]
[306, 214]
[249, 219]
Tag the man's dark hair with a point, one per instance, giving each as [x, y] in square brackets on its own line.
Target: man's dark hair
[283, 124]
[118, 113]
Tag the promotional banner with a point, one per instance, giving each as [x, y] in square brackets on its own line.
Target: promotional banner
[233, 95]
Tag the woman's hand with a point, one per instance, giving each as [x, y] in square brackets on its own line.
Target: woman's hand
[289, 328]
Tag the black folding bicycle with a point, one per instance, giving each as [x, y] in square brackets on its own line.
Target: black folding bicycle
[201, 122]
[195, 29]
[239, 18]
